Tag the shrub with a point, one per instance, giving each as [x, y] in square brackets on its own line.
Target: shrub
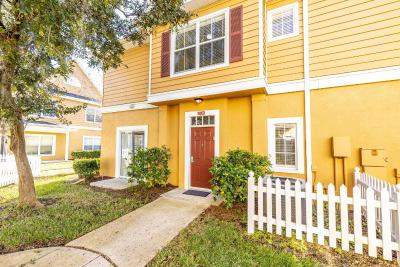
[86, 168]
[230, 173]
[86, 154]
[149, 166]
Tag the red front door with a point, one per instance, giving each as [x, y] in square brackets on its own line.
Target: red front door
[202, 153]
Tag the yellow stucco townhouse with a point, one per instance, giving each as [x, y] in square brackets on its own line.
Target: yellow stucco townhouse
[314, 84]
[54, 141]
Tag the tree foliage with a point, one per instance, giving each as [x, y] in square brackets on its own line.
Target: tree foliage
[39, 41]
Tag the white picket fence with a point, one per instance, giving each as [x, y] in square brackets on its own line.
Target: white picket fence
[363, 181]
[277, 201]
[8, 169]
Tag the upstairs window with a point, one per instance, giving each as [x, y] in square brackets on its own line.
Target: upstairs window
[93, 115]
[283, 22]
[285, 144]
[201, 45]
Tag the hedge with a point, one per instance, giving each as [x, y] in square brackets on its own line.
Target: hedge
[86, 168]
[86, 154]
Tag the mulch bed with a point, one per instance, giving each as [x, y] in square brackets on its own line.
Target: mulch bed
[324, 255]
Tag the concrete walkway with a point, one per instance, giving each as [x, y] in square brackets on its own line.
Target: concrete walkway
[54, 256]
[132, 240]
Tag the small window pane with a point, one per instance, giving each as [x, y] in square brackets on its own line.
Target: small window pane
[205, 31]
[32, 145]
[190, 58]
[205, 54]
[218, 51]
[193, 120]
[199, 120]
[46, 145]
[205, 120]
[218, 27]
[212, 119]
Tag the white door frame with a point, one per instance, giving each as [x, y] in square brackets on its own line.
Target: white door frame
[188, 127]
[135, 128]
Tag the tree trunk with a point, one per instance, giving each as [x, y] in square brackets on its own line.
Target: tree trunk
[26, 186]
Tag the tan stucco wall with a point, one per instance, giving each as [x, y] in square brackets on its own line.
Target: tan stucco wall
[76, 139]
[128, 118]
[368, 113]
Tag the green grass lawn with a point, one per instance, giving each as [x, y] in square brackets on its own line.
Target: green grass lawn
[71, 211]
[219, 238]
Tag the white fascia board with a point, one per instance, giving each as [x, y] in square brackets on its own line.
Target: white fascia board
[45, 129]
[81, 100]
[127, 107]
[214, 89]
[337, 80]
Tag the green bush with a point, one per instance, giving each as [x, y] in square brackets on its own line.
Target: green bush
[149, 166]
[94, 154]
[86, 168]
[230, 173]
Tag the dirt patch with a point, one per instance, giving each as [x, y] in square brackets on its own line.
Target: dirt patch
[324, 255]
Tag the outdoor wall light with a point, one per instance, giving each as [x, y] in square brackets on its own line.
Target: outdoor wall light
[198, 100]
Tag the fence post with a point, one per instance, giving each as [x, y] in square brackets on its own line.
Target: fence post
[357, 175]
[386, 227]
[250, 203]
[344, 222]
[357, 220]
[260, 199]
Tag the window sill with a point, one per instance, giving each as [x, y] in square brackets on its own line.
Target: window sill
[274, 39]
[287, 170]
[213, 67]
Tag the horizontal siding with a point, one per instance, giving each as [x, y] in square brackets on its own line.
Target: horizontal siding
[285, 57]
[129, 82]
[77, 119]
[247, 68]
[353, 35]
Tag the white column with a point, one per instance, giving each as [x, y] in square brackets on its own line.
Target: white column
[307, 95]
[67, 145]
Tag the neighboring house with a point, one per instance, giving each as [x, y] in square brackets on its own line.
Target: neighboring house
[51, 140]
[282, 78]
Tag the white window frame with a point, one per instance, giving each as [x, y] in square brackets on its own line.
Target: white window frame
[53, 146]
[135, 128]
[299, 144]
[270, 15]
[93, 137]
[197, 68]
[96, 110]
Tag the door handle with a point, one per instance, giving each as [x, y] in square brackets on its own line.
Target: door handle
[191, 159]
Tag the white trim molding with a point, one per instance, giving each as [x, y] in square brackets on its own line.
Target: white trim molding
[188, 127]
[299, 143]
[213, 89]
[337, 80]
[46, 129]
[80, 100]
[127, 107]
[119, 130]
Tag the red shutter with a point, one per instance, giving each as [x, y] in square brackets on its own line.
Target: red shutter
[165, 53]
[236, 34]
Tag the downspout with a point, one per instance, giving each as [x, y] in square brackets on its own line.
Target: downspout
[150, 63]
[307, 94]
